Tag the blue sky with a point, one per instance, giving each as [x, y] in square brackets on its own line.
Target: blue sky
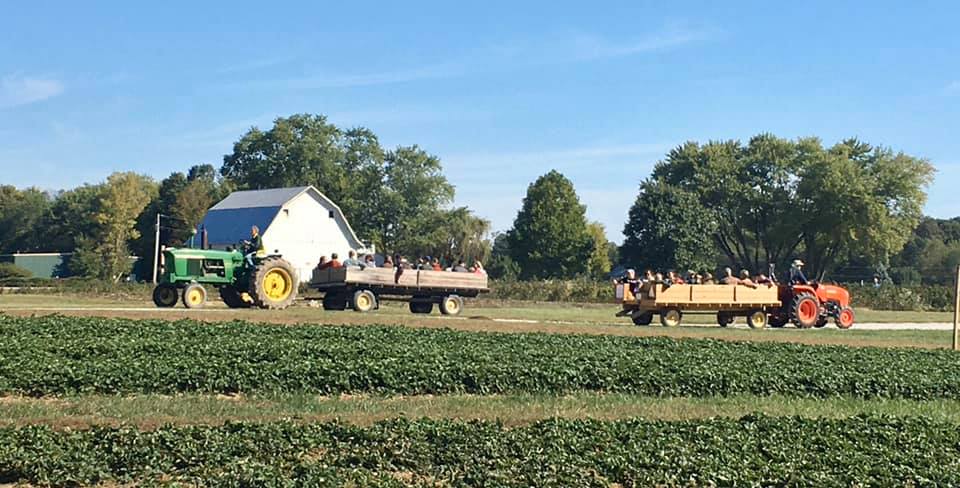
[502, 92]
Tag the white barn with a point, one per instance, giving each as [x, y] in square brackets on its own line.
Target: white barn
[300, 223]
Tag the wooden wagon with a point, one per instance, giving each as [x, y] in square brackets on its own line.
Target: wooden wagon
[364, 289]
[670, 302]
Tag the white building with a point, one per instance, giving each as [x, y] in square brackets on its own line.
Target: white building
[300, 223]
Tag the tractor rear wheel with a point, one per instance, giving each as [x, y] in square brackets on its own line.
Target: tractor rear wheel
[757, 319]
[845, 318]
[165, 295]
[273, 284]
[233, 297]
[671, 317]
[194, 295]
[805, 311]
[642, 318]
[451, 305]
[364, 301]
[725, 318]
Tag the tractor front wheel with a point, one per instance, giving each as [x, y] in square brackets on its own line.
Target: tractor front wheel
[194, 296]
[165, 295]
[805, 311]
[273, 284]
[845, 318]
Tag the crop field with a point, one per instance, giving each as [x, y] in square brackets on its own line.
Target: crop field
[57, 355]
[112, 400]
[752, 450]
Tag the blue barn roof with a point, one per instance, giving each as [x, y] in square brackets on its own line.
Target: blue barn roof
[229, 226]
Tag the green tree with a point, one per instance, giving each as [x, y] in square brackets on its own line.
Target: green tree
[599, 263]
[668, 228]
[71, 217]
[21, 213]
[387, 195]
[501, 265]
[775, 199]
[549, 238]
[122, 199]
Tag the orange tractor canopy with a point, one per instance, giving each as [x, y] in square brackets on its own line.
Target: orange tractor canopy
[812, 305]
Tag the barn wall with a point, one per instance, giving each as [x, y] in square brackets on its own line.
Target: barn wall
[303, 231]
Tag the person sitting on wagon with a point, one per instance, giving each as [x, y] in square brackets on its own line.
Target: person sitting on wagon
[478, 268]
[334, 262]
[435, 265]
[323, 264]
[763, 279]
[728, 278]
[629, 278]
[352, 261]
[461, 267]
[369, 261]
[648, 276]
[745, 279]
[707, 279]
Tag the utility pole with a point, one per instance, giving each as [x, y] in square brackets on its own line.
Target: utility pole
[156, 248]
[956, 312]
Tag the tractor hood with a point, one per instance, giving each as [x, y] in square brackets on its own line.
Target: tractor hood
[188, 253]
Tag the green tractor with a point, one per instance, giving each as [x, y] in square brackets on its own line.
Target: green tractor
[266, 281]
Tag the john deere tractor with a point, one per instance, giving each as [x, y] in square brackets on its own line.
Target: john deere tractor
[266, 281]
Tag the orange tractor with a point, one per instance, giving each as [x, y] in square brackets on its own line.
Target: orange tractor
[812, 305]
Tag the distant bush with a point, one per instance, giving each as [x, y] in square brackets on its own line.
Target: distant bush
[582, 290]
[908, 298]
[12, 271]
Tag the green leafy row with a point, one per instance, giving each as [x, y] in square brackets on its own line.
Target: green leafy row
[57, 355]
[751, 451]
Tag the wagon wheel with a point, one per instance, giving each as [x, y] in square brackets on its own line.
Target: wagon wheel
[671, 317]
[364, 301]
[451, 305]
[725, 318]
[642, 318]
[757, 319]
[778, 320]
[421, 307]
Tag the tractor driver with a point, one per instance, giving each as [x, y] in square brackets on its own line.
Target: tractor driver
[251, 247]
[796, 273]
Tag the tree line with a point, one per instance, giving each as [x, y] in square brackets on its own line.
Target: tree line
[851, 206]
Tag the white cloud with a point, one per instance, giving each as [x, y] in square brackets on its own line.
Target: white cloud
[514, 54]
[593, 47]
[18, 90]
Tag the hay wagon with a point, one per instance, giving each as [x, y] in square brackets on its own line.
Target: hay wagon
[671, 302]
[364, 289]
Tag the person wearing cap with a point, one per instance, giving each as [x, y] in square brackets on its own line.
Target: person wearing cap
[796, 273]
